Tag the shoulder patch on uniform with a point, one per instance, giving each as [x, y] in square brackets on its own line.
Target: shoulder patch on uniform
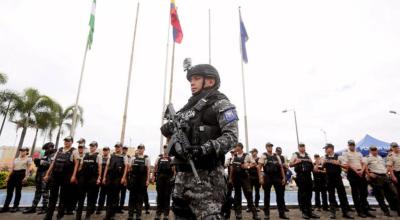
[230, 115]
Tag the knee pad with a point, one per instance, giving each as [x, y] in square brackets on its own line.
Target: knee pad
[181, 209]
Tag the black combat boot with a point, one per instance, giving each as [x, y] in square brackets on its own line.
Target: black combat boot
[347, 215]
[30, 210]
[42, 210]
[255, 214]
[283, 216]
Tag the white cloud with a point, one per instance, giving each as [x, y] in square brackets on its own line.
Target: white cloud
[337, 63]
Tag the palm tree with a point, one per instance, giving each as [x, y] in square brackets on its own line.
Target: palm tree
[29, 107]
[7, 101]
[64, 120]
[3, 78]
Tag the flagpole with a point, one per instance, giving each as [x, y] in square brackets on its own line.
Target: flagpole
[165, 85]
[74, 117]
[172, 73]
[209, 36]
[129, 80]
[244, 93]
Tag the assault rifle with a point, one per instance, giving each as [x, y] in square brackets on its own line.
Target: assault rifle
[179, 141]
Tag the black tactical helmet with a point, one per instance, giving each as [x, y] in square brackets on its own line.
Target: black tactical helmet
[205, 70]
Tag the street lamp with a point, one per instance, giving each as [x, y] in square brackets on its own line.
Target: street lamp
[295, 123]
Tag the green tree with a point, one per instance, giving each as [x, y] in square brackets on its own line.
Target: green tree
[29, 107]
[3, 78]
[7, 104]
[64, 120]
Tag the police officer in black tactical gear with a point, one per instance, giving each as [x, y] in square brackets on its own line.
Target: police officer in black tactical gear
[241, 165]
[303, 167]
[212, 131]
[333, 169]
[42, 190]
[227, 206]
[254, 179]
[114, 178]
[139, 174]
[278, 151]
[72, 201]
[88, 181]
[123, 187]
[320, 187]
[103, 188]
[272, 175]
[163, 173]
[61, 174]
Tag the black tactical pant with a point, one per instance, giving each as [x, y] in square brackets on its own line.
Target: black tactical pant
[241, 182]
[227, 206]
[320, 189]
[60, 186]
[72, 199]
[87, 188]
[383, 189]
[113, 190]
[255, 184]
[122, 197]
[137, 191]
[304, 193]
[102, 197]
[41, 191]
[14, 182]
[146, 200]
[359, 191]
[397, 185]
[276, 181]
[163, 187]
[335, 182]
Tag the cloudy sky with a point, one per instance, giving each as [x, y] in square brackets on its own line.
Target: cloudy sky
[336, 62]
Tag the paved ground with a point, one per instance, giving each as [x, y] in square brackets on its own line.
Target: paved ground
[293, 214]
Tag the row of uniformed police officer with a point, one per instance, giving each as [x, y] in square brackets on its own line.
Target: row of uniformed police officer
[72, 176]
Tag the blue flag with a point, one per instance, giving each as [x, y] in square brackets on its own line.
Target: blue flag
[243, 39]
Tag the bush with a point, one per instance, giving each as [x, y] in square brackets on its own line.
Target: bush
[3, 177]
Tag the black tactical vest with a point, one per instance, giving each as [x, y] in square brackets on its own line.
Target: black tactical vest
[332, 169]
[237, 164]
[253, 170]
[203, 125]
[63, 163]
[43, 163]
[304, 166]
[89, 165]
[139, 166]
[117, 166]
[271, 165]
[164, 166]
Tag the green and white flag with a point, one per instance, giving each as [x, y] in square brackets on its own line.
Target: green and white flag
[91, 24]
